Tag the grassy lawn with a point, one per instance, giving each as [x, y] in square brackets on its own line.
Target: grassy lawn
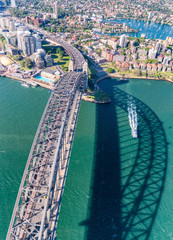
[62, 62]
[99, 96]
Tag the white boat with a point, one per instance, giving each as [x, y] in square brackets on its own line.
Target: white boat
[123, 79]
[25, 85]
[33, 84]
[133, 119]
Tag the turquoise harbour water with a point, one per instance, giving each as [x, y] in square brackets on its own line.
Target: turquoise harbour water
[128, 195]
[117, 187]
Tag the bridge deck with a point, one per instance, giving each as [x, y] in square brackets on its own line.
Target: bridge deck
[39, 198]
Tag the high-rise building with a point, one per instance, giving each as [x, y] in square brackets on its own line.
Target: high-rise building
[12, 26]
[13, 4]
[158, 46]
[11, 39]
[152, 53]
[123, 41]
[37, 41]
[55, 10]
[28, 44]
[20, 32]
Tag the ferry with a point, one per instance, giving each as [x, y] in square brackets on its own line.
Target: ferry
[25, 85]
[133, 120]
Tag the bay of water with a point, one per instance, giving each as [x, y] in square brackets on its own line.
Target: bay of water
[117, 187]
[150, 29]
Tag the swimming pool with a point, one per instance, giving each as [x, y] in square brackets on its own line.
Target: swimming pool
[45, 79]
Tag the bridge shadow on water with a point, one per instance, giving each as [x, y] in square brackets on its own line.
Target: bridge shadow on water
[129, 174]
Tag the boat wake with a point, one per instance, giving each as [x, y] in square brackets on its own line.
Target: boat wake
[132, 115]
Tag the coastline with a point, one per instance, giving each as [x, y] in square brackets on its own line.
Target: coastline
[142, 19]
[112, 75]
[86, 97]
[28, 81]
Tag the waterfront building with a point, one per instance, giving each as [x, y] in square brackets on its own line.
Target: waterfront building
[169, 40]
[123, 41]
[159, 67]
[48, 73]
[166, 60]
[143, 66]
[136, 65]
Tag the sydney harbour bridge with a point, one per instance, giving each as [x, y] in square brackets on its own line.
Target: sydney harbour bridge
[38, 202]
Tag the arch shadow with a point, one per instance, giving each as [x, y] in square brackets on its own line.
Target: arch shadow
[129, 174]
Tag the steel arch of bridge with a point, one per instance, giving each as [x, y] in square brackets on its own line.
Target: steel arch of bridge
[37, 206]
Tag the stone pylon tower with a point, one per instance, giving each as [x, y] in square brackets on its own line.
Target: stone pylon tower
[13, 4]
[71, 66]
[85, 70]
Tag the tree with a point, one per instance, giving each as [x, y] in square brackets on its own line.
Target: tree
[60, 52]
[136, 43]
[110, 70]
[17, 58]
[26, 63]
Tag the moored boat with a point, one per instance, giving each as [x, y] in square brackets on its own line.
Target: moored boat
[25, 85]
[33, 84]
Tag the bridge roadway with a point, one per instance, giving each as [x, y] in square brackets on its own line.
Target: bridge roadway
[75, 55]
[38, 202]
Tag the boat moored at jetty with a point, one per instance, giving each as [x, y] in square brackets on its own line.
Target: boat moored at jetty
[25, 85]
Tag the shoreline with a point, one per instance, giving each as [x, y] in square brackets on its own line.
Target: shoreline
[29, 81]
[114, 75]
[142, 19]
[86, 97]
